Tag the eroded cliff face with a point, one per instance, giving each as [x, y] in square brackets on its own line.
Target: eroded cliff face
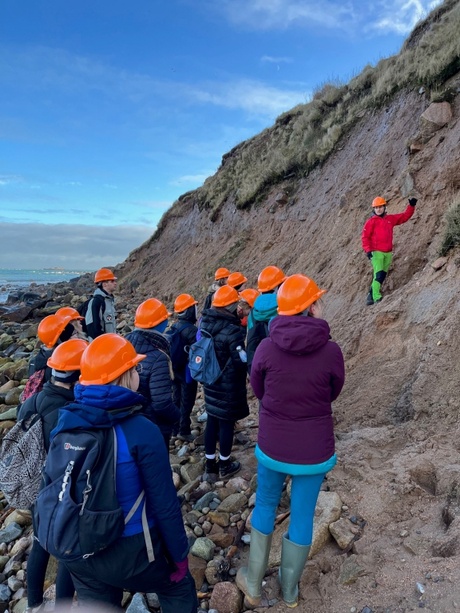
[397, 418]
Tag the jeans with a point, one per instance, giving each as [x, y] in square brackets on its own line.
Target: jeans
[304, 494]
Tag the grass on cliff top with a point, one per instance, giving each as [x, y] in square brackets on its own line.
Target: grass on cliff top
[305, 136]
[451, 236]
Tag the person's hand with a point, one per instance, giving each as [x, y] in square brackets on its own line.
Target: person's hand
[369, 254]
[412, 201]
[180, 572]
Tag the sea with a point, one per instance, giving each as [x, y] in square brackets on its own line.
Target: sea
[12, 279]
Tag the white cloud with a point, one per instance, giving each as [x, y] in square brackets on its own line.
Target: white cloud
[195, 180]
[275, 60]
[26, 245]
[354, 16]
[250, 96]
[8, 179]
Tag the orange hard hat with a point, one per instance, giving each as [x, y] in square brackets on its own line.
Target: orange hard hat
[50, 329]
[379, 201]
[269, 278]
[69, 312]
[67, 355]
[249, 295]
[236, 278]
[150, 313]
[221, 273]
[224, 296]
[296, 294]
[104, 274]
[106, 358]
[183, 302]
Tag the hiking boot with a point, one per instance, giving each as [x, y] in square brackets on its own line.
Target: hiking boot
[369, 299]
[227, 468]
[187, 438]
[211, 473]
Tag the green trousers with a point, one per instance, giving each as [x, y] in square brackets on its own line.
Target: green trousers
[381, 262]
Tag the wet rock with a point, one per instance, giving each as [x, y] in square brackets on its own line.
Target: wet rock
[342, 532]
[226, 598]
[203, 548]
[233, 503]
[10, 533]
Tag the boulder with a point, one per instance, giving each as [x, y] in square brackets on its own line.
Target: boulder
[438, 114]
[226, 598]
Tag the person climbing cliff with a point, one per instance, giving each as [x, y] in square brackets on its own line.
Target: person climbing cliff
[377, 241]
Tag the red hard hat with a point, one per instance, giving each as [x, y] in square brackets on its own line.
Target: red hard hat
[106, 358]
[296, 294]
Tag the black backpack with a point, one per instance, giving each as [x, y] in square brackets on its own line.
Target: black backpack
[77, 512]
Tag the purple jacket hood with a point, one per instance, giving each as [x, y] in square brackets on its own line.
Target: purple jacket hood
[299, 335]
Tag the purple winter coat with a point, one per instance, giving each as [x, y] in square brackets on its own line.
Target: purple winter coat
[297, 372]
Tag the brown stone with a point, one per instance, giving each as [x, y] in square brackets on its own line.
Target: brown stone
[197, 567]
[438, 114]
[226, 598]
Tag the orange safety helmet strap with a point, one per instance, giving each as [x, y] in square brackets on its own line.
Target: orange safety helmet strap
[183, 302]
[224, 296]
[150, 313]
[379, 201]
[106, 358]
[104, 274]
[67, 355]
[296, 294]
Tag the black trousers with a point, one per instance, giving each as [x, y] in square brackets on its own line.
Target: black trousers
[124, 566]
[184, 398]
[218, 430]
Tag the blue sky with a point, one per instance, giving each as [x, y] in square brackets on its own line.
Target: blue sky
[111, 110]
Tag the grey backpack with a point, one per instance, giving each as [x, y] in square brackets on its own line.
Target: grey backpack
[22, 457]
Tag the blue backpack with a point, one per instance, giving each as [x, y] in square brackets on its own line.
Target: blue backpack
[202, 360]
[177, 349]
[77, 513]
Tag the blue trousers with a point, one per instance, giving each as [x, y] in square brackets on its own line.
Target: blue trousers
[304, 494]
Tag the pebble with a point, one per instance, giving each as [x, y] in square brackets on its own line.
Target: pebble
[246, 539]
[420, 588]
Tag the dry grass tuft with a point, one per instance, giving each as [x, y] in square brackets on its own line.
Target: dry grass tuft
[451, 236]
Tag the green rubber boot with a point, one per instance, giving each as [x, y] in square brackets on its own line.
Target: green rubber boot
[293, 559]
[249, 579]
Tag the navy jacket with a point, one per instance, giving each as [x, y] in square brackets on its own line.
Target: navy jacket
[155, 378]
[147, 466]
[226, 398]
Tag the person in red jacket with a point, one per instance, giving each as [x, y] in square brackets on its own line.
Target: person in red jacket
[377, 241]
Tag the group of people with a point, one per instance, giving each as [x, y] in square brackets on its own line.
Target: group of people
[142, 386]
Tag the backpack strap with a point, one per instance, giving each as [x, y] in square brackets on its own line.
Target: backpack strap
[170, 365]
[133, 509]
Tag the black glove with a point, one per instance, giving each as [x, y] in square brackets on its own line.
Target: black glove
[369, 254]
[412, 201]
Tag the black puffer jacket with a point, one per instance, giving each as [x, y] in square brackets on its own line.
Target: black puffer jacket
[226, 398]
[155, 379]
[39, 361]
[187, 330]
[47, 404]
